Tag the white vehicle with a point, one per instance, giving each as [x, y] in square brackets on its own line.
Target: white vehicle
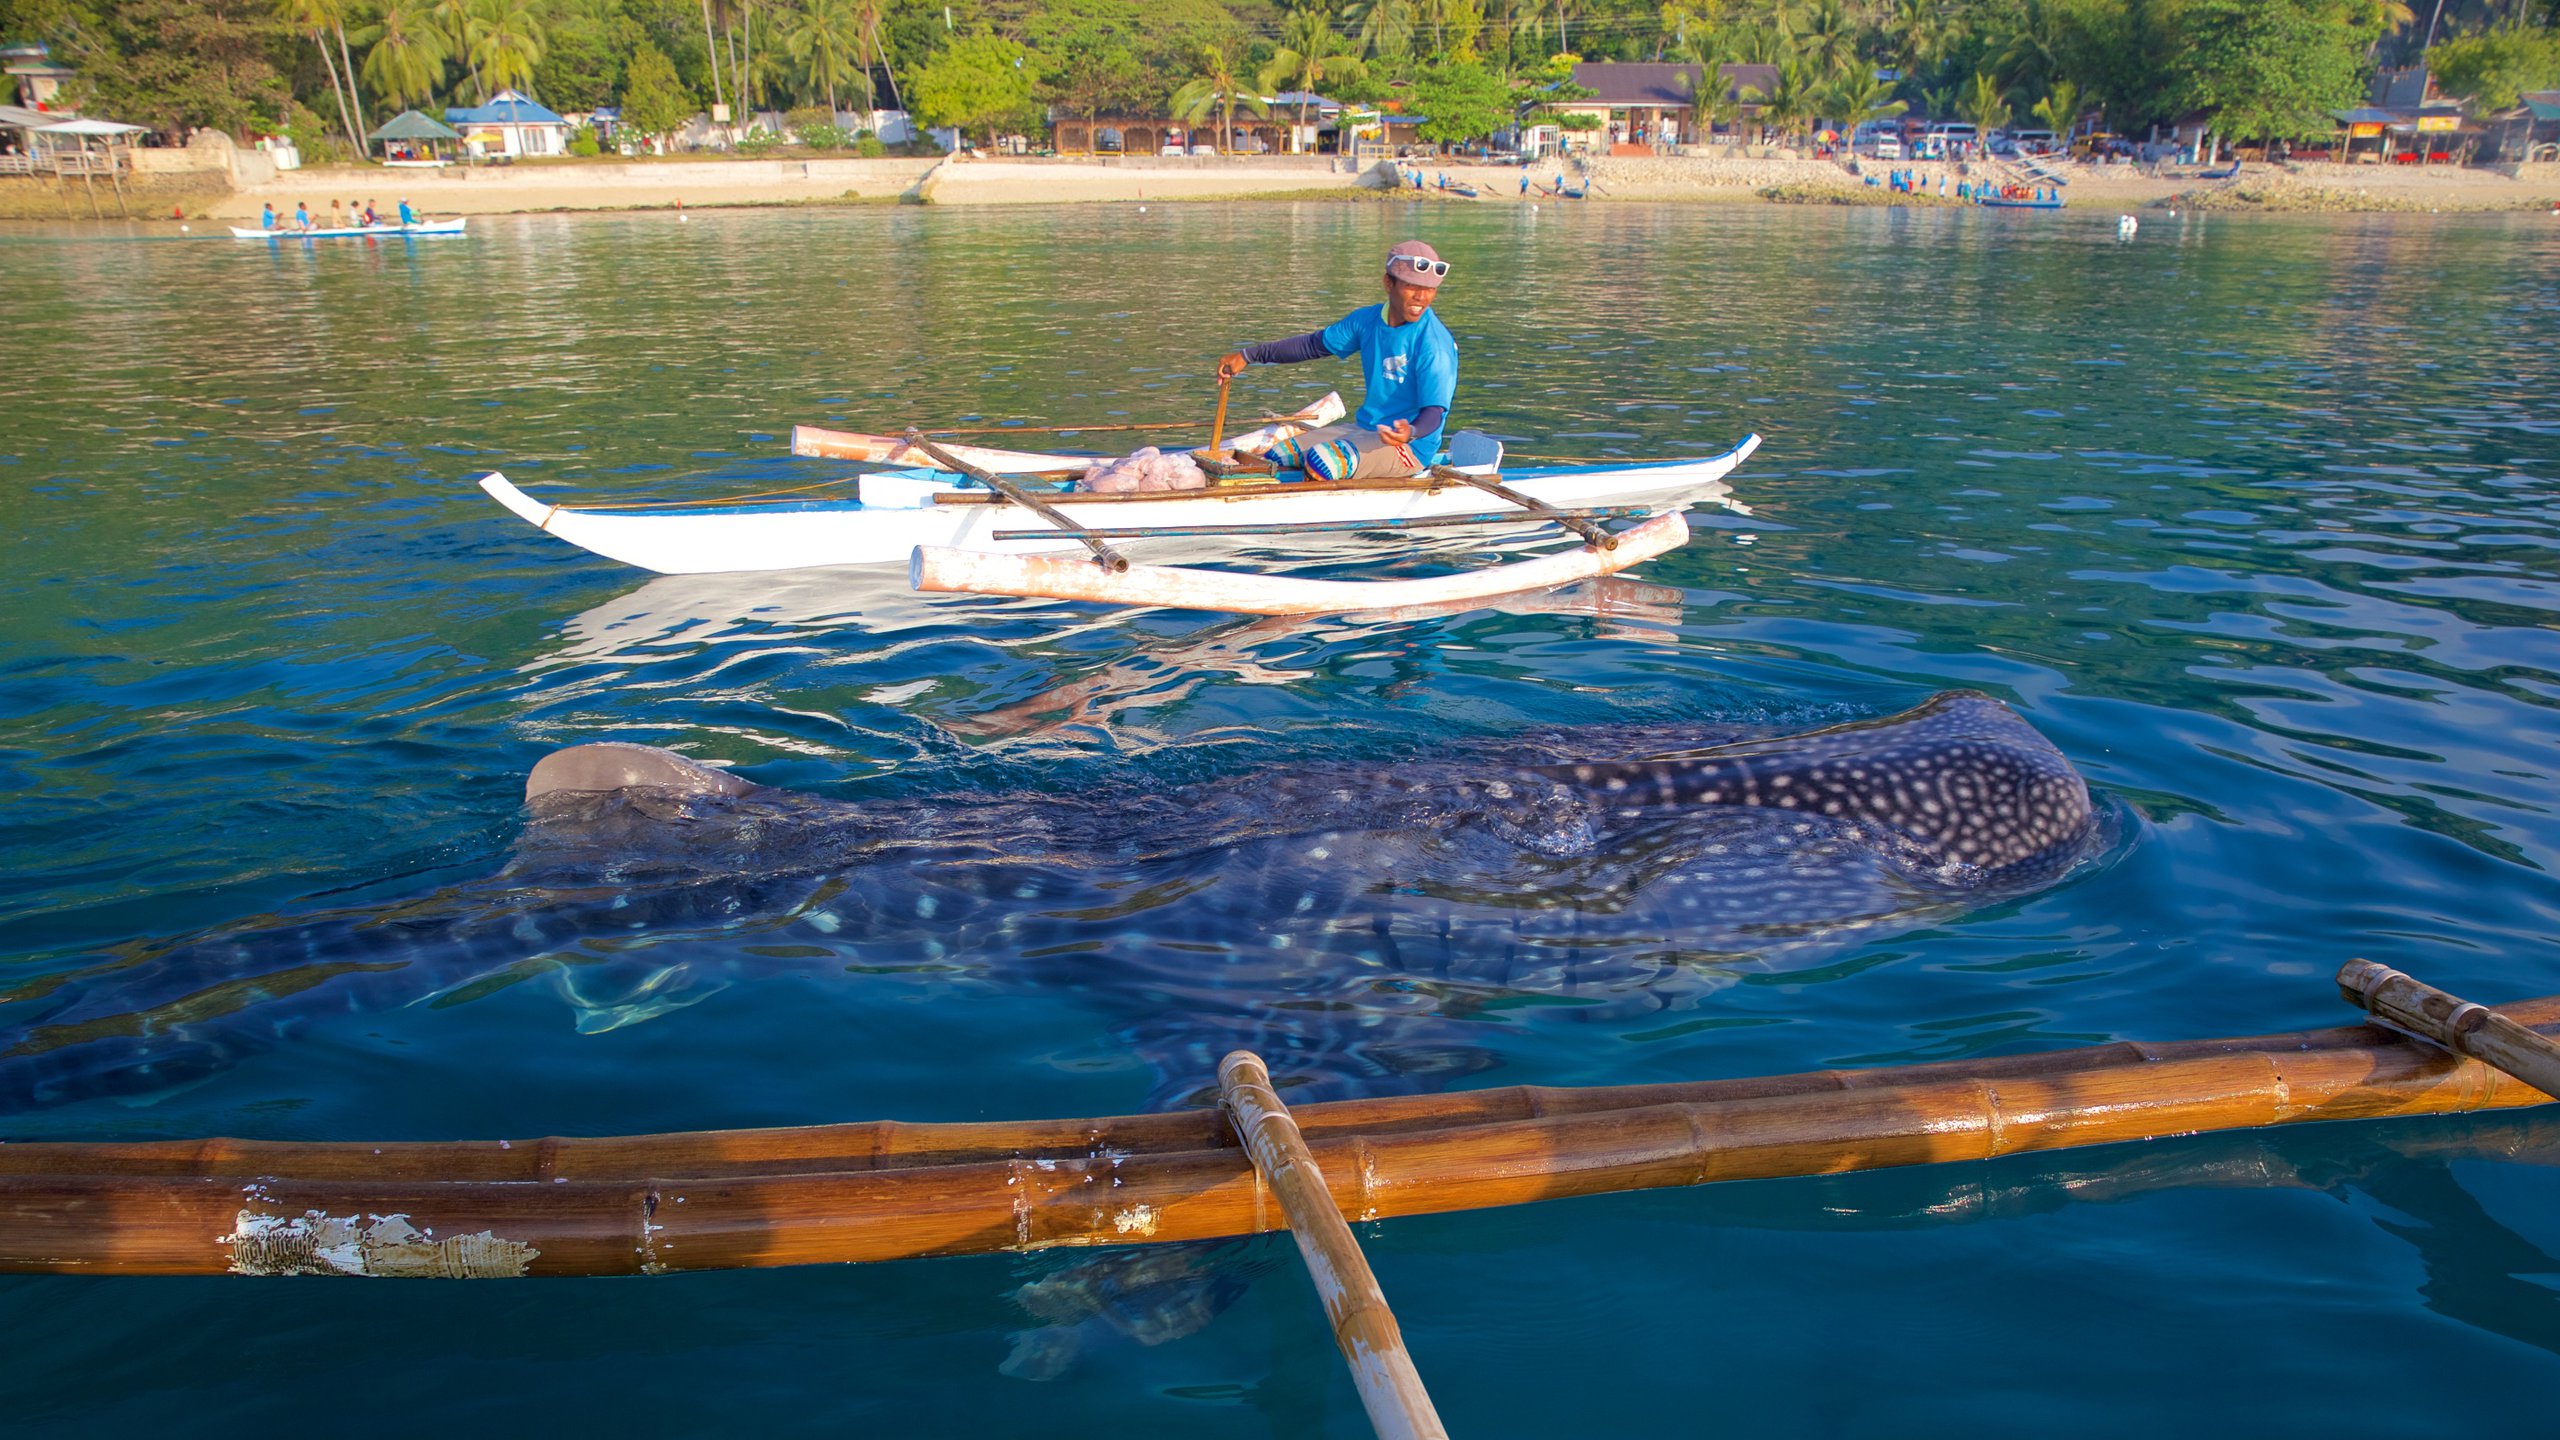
[1954, 132]
[1204, 148]
[1172, 147]
[1888, 147]
[2032, 142]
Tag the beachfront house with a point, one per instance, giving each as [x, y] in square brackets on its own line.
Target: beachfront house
[2402, 121]
[1640, 106]
[37, 79]
[511, 124]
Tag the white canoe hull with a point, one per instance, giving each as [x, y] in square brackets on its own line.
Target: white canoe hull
[899, 513]
[350, 232]
[811, 441]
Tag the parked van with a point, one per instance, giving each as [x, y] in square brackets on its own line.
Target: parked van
[1953, 133]
[2032, 142]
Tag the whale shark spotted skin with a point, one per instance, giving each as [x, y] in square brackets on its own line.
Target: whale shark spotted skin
[1349, 921]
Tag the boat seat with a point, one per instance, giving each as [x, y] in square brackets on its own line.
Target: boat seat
[1473, 449]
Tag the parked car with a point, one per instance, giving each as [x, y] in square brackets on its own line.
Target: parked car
[1888, 148]
[1173, 147]
[1204, 148]
[2032, 142]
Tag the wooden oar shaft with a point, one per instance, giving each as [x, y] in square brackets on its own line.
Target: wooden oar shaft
[1592, 535]
[1103, 555]
[1095, 429]
[1218, 422]
[2454, 1023]
[1372, 1343]
[1313, 527]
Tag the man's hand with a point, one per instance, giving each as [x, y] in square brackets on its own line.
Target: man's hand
[1232, 366]
[1400, 433]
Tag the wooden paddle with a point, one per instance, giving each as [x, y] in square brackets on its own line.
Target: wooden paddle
[1218, 424]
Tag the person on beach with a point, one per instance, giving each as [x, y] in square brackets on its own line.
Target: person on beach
[1409, 360]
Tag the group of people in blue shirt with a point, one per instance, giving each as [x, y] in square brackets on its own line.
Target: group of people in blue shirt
[366, 216]
[1409, 360]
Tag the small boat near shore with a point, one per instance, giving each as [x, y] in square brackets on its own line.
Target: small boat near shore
[890, 514]
[453, 226]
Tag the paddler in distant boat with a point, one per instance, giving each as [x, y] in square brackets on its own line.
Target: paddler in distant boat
[1411, 364]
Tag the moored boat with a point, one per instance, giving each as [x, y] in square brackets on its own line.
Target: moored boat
[895, 512]
[453, 226]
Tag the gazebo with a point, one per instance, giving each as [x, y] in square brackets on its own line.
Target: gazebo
[65, 149]
[409, 140]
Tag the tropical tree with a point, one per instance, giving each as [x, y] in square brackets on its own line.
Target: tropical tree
[825, 40]
[1795, 102]
[2060, 109]
[1216, 89]
[453, 18]
[1859, 97]
[1311, 53]
[1384, 28]
[654, 102]
[1829, 38]
[1983, 104]
[1713, 102]
[406, 63]
[1461, 101]
[977, 81]
[506, 42]
[2269, 69]
[313, 20]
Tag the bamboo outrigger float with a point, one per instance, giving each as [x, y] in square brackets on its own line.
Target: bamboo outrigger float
[888, 1191]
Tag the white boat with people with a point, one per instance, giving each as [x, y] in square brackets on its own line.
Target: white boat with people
[986, 520]
[453, 226]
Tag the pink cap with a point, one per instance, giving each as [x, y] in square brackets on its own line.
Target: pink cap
[1415, 263]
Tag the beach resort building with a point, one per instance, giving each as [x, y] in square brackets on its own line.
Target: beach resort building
[510, 124]
[1641, 106]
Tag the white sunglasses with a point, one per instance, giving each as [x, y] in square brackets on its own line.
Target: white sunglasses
[1420, 265]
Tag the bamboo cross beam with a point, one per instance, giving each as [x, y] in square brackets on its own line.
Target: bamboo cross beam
[1363, 1326]
[1592, 535]
[1103, 555]
[2454, 1023]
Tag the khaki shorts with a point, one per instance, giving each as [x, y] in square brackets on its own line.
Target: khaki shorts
[1345, 452]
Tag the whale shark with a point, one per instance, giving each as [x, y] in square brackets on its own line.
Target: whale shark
[1349, 920]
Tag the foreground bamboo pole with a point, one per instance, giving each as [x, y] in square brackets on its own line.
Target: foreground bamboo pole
[646, 1204]
[2454, 1023]
[1365, 1329]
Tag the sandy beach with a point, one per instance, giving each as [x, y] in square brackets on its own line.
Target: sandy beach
[616, 185]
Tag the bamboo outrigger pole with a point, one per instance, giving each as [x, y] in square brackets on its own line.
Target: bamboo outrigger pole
[1592, 535]
[2454, 1023]
[1103, 555]
[1363, 1326]
[885, 1191]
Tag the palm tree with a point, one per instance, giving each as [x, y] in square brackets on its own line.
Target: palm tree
[1311, 52]
[1384, 28]
[826, 40]
[1796, 103]
[1920, 32]
[2060, 110]
[1829, 37]
[1712, 102]
[506, 43]
[453, 17]
[406, 63]
[1218, 89]
[1859, 97]
[312, 19]
[1983, 104]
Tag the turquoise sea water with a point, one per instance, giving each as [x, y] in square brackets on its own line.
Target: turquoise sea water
[2257, 520]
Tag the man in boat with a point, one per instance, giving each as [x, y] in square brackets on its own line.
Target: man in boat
[1411, 364]
[407, 215]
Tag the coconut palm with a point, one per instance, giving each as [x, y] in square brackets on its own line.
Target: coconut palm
[406, 63]
[1829, 38]
[1311, 53]
[313, 20]
[1859, 97]
[1713, 102]
[1796, 102]
[453, 19]
[1920, 32]
[506, 43]
[1983, 104]
[2060, 110]
[1384, 28]
[826, 41]
[1216, 89]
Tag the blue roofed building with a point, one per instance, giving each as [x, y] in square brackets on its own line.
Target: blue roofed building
[510, 124]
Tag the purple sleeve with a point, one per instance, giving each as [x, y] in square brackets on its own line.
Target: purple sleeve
[1309, 346]
[1428, 418]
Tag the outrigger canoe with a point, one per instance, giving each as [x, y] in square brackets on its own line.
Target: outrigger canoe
[350, 232]
[896, 512]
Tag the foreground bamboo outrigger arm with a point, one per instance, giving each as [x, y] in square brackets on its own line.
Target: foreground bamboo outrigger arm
[889, 1191]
